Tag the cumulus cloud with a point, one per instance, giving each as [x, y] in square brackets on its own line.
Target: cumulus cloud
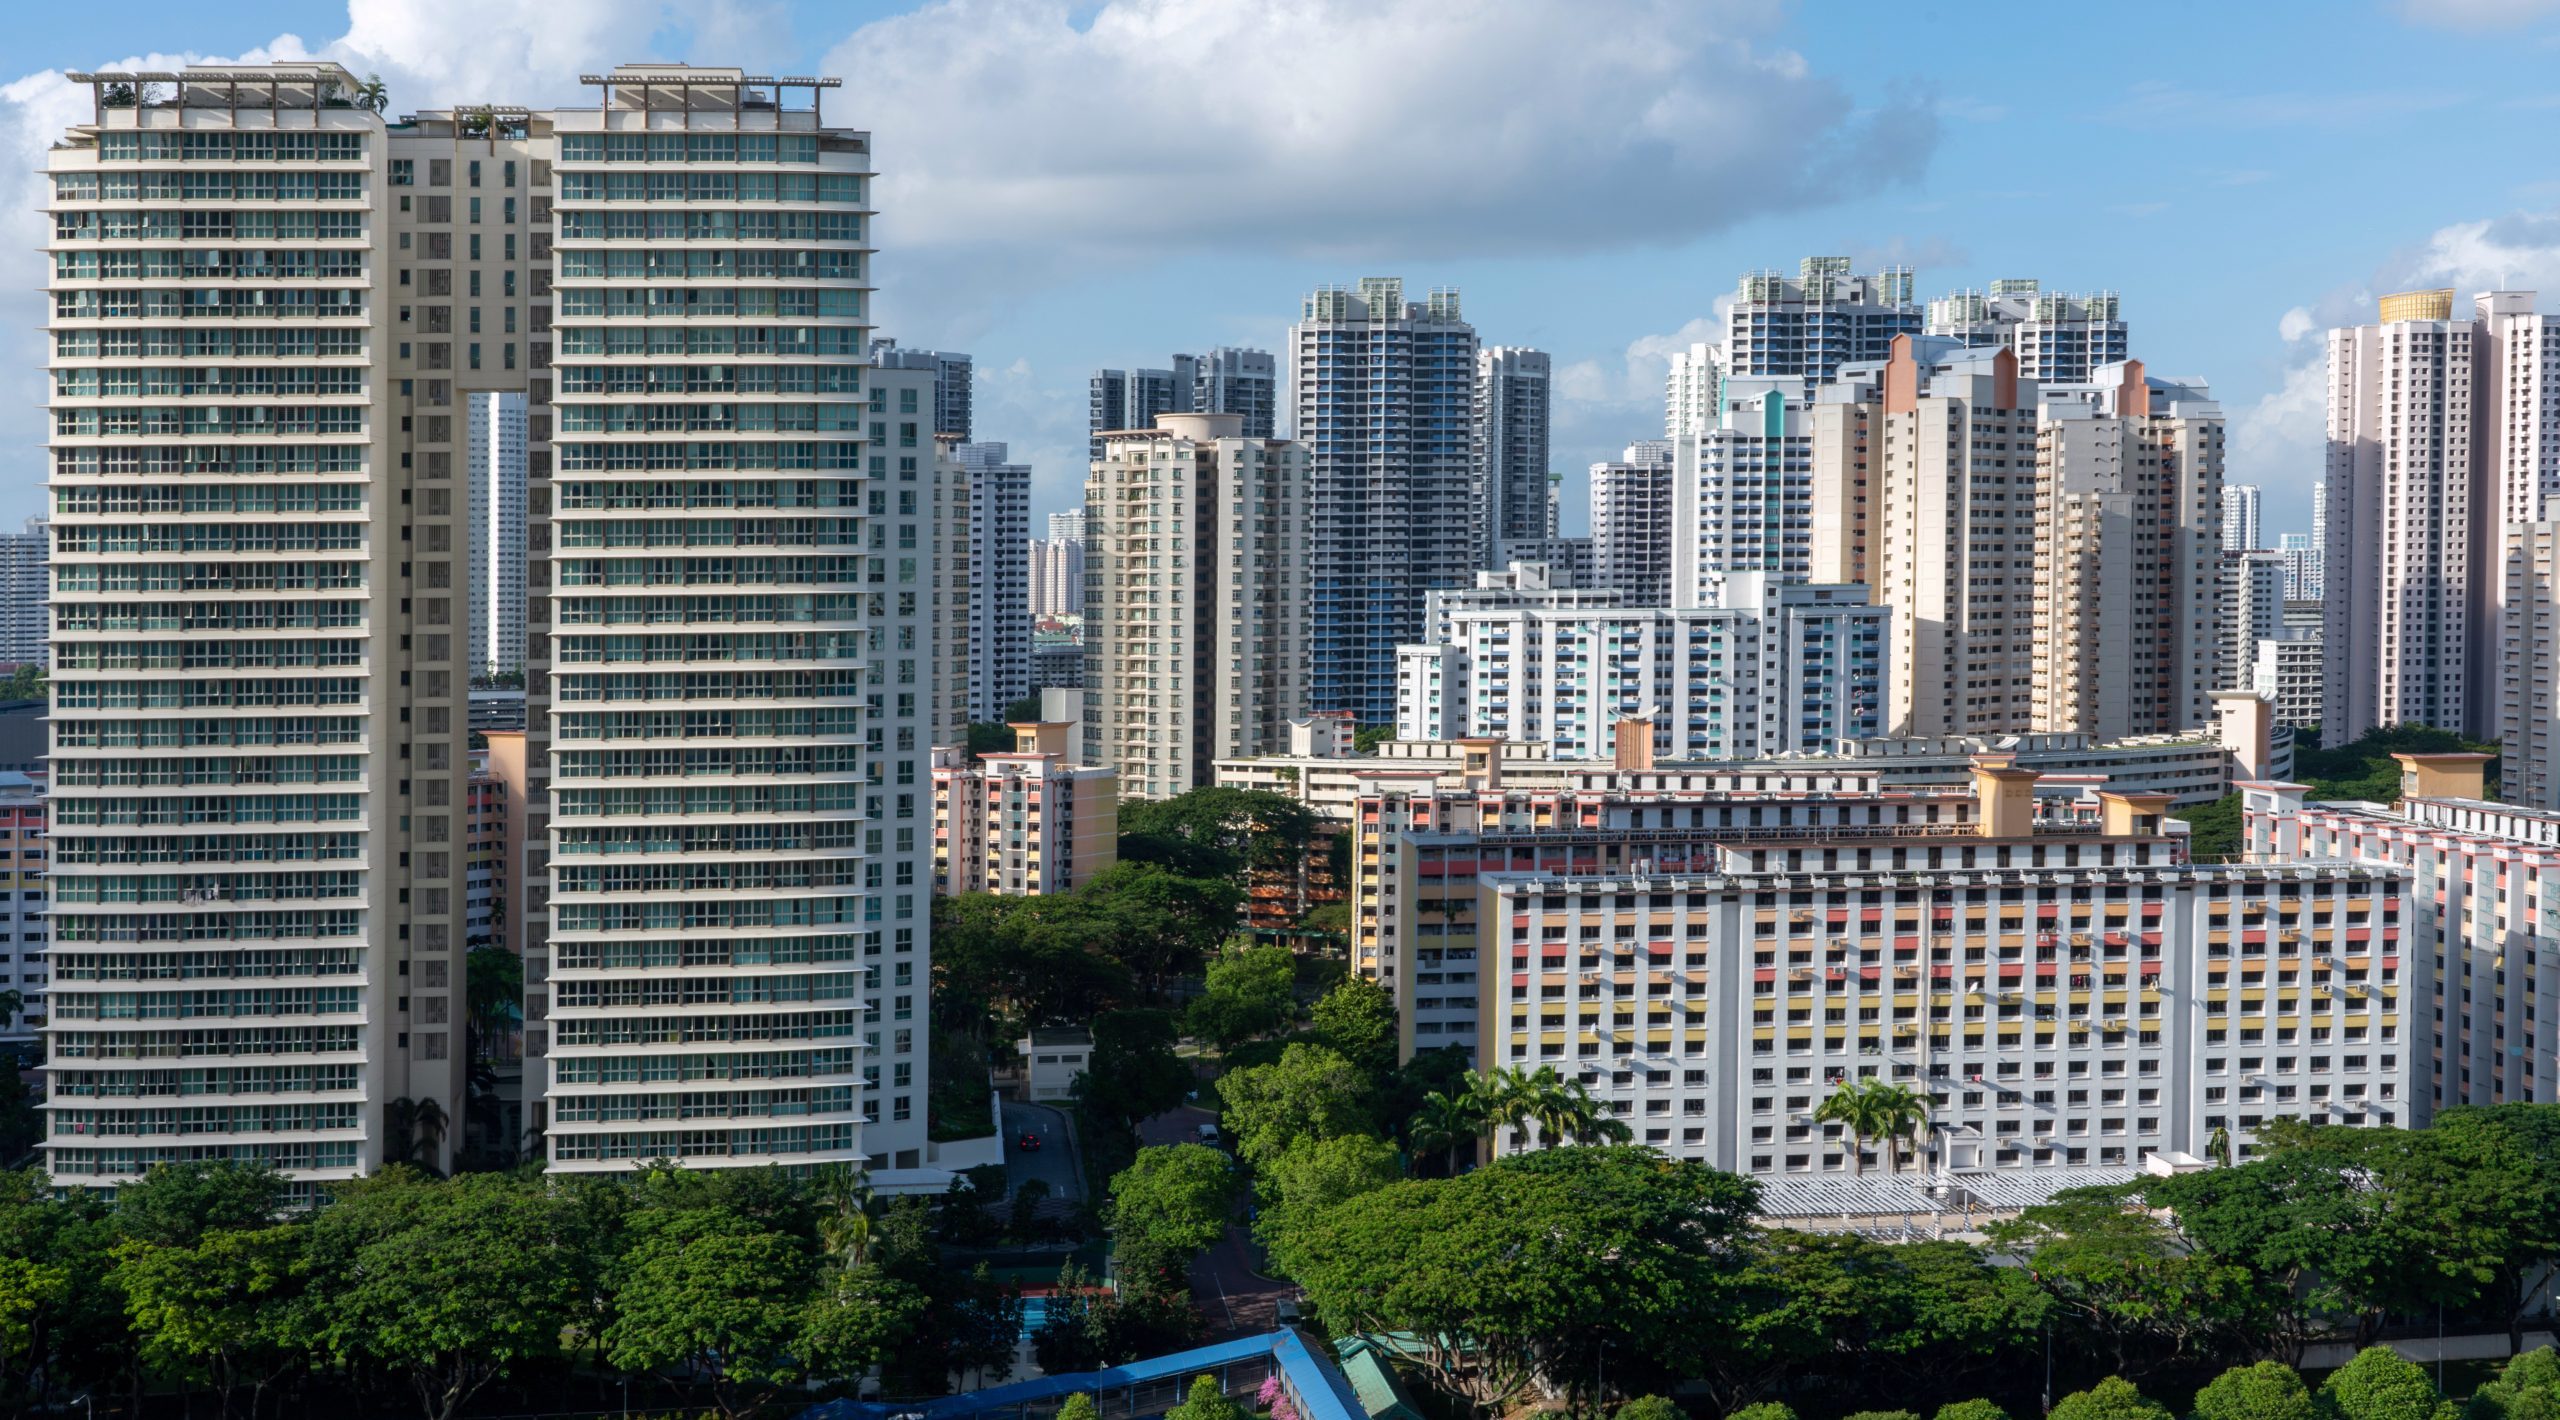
[2295, 324]
[2521, 249]
[1353, 128]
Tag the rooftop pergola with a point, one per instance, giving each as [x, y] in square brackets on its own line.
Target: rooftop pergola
[710, 90]
[314, 85]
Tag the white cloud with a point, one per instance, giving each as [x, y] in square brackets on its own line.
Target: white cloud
[2521, 249]
[1415, 128]
[2295, 324]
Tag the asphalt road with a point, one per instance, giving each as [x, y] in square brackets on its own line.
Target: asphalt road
[1053, 1163]
[1225, 1289]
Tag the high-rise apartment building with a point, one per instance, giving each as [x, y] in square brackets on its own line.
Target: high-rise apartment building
[1769, 668]
[1924, 489]
[1693, 391]
[2287, 673]
[26, 931]
[2059, 338]
[2240, 526]
[1382, 395]
[1024, 822]
[2128, 481]
[1196, 635]
[2301, 554]
[1068, 525]
[2529, 667]
[1807, 326]
[2252, 610]
[23, 593]
[1632, 522]
[494, 460]
[1227, 380]
[698, 586]
[1742, 490]
[1516, 497]
[998, 572]
[1057, 576]
[954, 384]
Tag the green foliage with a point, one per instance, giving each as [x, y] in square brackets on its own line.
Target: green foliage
[1309, 1093]
[713, 1292]
[1217, 832]
[2528, 1389]
[1650, 1407]
[2114, 1398]
[2269, 1390]
[1880, 1415]
[493, 991]
[1357, 1021]
[1079, 1406]
[1971, 1410]
[2365, 769]
[24, 683]
[175, 1205]
[1764, 1410]
[2213, 830]
[1367, 738]
[1090, 1327]
[2125, 1279]
[1024, 711]
[986, 738]
[1171, 1204]
[229, 1311]
[1133, 1074]
[2379, 1385]
[1250, 992]
[1206, 1402]
[1872, 1108]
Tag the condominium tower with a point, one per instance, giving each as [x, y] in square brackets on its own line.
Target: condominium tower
[1382, 395]
[494, 463]
[1224, 381]
[1196, 635]
[999, 578]
[1742, 489]
[2240, 509]
[954, 384]
[23, 593]
[1514, 494]
[1809, 325]
[1631, 523]
[2058, 338]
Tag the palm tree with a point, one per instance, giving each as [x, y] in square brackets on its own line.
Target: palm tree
[1899, 1112]
[373, 94]
[1442, 1127]
[1497, 1099]
[429, 1119]
[399, 1128]
[1849, 1107]
[2217, 1147]
[844, 1220]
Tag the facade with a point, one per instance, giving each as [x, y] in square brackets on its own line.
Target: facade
[1515, 495]
[1632, 522]
[1742, 490]
[2240, 527]
[954, 390]
[1056, 575]
[1196, 633]
[2472, 947]
[1693, 391]
[1808, 326]
[2058, 338]
[2287, 672]
[1068, 526]
[25, 906]
[1382, 395]
[484, 879]
[2252, 611]
[2301, 554]
[23, 593]
[2128, 472]
[999, 592]
[1245, 383]
[1024, 823]
[494, 460]
[1770, 669]
[1923, 488]
[2042, 960]
[1570, 561]
[2529, 668]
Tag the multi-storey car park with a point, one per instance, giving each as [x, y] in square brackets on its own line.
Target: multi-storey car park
[2043, 961]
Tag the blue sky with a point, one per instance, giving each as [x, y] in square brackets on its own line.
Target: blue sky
[1066, 186]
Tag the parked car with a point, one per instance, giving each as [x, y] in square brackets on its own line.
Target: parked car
[1028, 1143]
[1208, 1133]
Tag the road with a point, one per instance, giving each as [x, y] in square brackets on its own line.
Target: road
[1053, 1163]
[1224, 1287]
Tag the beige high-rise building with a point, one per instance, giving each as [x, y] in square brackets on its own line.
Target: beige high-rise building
[264, 559]
[1197, 563]
[2128, 483]
[1024, 822]
[1941, 455]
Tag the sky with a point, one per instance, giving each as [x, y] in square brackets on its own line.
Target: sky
[1066, 186]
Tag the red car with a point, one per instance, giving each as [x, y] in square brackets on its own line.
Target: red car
[1028, 1143]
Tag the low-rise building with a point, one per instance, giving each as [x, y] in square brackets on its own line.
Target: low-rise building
[2482, 923]
[1026, 822]
[1052, 1058]
[2035, 953]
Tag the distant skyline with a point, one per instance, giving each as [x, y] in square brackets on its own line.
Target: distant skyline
[1059, 192]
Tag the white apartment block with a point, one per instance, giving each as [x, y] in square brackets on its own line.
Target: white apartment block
[2529, 667]
[1515, 496]
[1742, 490]
[1631, 523]
[954, 387]
[2042, 960]
[999, 590]
[2240, 526]
[2252, 611]
[1197, 566]
[1245, 383]
[2058, 338]
[1808, 326]
[1693, 391]
[2475, 949]
[1770, 668]
[495, 462]
[2301, 554]
[1068, 526]
[1381, 393]
[1056, 576]
[1024, 822]
[23, 593]
[2128, 469]
[1924, 489]
[2287, 673]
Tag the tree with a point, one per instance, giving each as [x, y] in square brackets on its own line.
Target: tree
[1971, 1410]
[1217, 832]
[1764, 1410]
[1133, 1073]
[987, 738]
[373, 94]
[1250, 993]
[1079, 1406]
[856, 1318]
[2111, 1399]
[1442, 1129]
[716, 1294]
[1171, 1204]
[1537, 1267]
[2125, 1280]
[448, 1284]
[2269, 1390]
[2528, 1389]
[1899, 1112]
[1881, 1415]
[176, 1205]
[1309, 1092]
[1206, 1402]
[1357, 1021]
[1318, 1173]
[1156, 922]
[226, 1309]
[2379, 1385]
[1650, 1407]
[1367, 738]
[2213, 830]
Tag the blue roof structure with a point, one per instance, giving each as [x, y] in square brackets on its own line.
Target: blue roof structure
[1313, 1382]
